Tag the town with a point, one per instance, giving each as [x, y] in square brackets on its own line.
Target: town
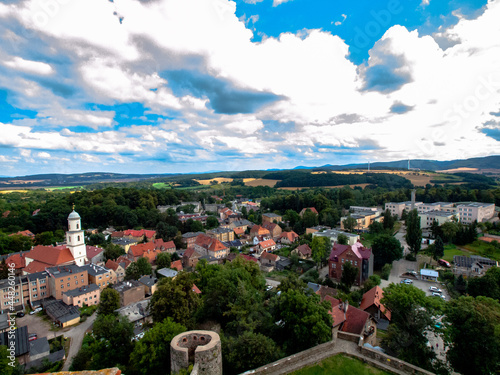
[260, 276]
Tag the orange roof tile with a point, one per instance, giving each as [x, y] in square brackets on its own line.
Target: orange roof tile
[290, 236]
[123, 259]
[19, 260]
[52, 256]
[209, 243]
[239, 231]
[35, 266]
[177, 265]
[112, 265]
[267, 244]
[373, 297]
[269, 256]
[139, 249]
[25, 233]
[196, 289]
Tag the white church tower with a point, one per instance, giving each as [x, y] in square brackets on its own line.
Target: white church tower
[75, 240]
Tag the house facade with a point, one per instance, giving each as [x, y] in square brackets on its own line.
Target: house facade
[357, 255]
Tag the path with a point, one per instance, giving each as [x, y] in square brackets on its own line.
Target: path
[76, 335]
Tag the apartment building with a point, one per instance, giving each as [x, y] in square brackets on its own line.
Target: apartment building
[475, 211]
[101, 276]
[28, 290]
[441, 217]
[333, 234]
[222, 234]
[88, 295]
[64, 278]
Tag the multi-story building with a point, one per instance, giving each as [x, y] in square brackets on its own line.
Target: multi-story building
[333, 235]
[397, 208]
[441, 217]
[189, 238]
[222, 234]
[274, 229]
[475, 211]
[117, 268]
[100, 276]
[359, 257]
[363, 219]
[64, 278]
[130, 292]
[271, 218]
[206, 245]
[84, 295]
[28, 290]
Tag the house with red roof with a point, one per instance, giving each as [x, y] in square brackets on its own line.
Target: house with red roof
[165, 247]
[19, 262]
[304, 210]
[177, 265]
[117, 268]
[357, 255]
[268, 245]
[206, 245]
[26, 233]
[289, 237]
[95, 254]
[303, 251]
[239, 231]
[225, 213]
[257, 230]
[350, 319]
[190, 258]
[233, 256]
[371, 304]
[140, 235]
[268, 260]
[41, 257]
[273, 228]
[137, 251]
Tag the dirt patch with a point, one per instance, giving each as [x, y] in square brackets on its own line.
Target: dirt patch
[456, 170]
[324, 187]
[260, 182]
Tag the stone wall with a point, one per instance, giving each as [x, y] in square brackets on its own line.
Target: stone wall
[352, 337]
[392, 362]
[202, 348]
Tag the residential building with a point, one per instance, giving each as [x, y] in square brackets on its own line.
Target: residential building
[265, 246]
[475, 211]
[124, 243]
[117, 268]
[190, 258]
[371, 304]
[473, 266]
[333, 235]
[222, 234]
[95, 254]
[130, 291]
[397, 208]
[85, 295]
[268, 261]
[318, 228]
[167, 272]
[441, 217]
[64, 278]
[206, 245]
[16, 259]
[25, 233]
[165, 247]
[273, 228]
[304, 210]
[28, 290]
[150, 284]
[137, 251]
[189, 238]
[289, 237]
[303, 251]
[177, 265]
[257, 230]
[363, 219]
[140, 235]
[359, 257]
[271, 218]
[99, 275]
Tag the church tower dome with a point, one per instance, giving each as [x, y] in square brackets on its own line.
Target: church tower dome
[75, 239]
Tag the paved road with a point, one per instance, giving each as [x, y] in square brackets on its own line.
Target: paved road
[76, 335]
[400, 235]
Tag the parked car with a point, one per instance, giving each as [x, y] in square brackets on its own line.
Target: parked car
[444, 263]
[32, 336]
[20, 314]
[406, 281]
[438, 294]
[434, 289]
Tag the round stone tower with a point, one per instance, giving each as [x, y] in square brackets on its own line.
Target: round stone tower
[201, 348]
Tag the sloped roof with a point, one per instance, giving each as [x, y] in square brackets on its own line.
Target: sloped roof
[209, 243]
[266, 244]
[304, 249]
[335, 312]
[291, 236]
[19, 260]
[139, 249]
[269, 256]
[112, 265]
[313, 210]
[191, 253]
[239, 231]
[355, 320]
[123, 261]
[35, 267]
[26, 233]
[196, 289]
[93, 251]
[52, 256]
[139, 233]
[358, 249]
[373, 297]
[177, 265]
[260, 231]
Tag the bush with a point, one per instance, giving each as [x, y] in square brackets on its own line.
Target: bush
[410, 257]
[386, 271]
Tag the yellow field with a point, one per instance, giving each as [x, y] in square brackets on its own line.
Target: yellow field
[456, 170]
[417, 178]
[320, 172]
[218, 179]
[259, 182]
[324, 187]
[12, 191]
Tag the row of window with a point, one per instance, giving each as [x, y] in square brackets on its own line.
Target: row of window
[69, 284]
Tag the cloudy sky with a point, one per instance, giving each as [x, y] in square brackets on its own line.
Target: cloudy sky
[159, 86]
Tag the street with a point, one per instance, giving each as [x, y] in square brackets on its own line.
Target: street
[76, 334]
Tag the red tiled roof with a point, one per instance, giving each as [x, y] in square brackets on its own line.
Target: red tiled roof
[259, 231]
[336, 313]
[35, 266]
[304, 249]
[51, 256]
[269, 256]
[151, 255]
[313, 210]
[92, 251]
[270, 226]
[123, 259]
[162, 245]
[189, 253]
[239, 231]
[139, 249]
[373, 297]
[112, 265]
[117, 234]
[196, 289]
[355, 320]
[18, 259]
[267, 244]
[177, 265]
[209, 243]
[25, 233]
[358, 249]
[139, 233]
[35, 212]
[6, 214]
[291, 236]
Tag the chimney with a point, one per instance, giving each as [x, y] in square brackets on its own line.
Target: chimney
[346, 306]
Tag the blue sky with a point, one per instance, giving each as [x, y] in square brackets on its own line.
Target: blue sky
[165, 86]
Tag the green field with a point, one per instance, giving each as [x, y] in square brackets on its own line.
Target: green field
[484, 249]
[162, 185]
[451, 250]
[341, 365]
[64, 188]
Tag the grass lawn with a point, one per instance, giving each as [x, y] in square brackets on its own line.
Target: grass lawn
[340, 365]
[484, 249]
[162, 185]
[63, 188]
[451, 250]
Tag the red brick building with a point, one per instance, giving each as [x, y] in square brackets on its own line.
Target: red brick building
[358, 255]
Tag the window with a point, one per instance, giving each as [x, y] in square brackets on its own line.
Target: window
[33, 289]
[76, 276]
[62, 286]
[77, 226]
[42, 281]
[76, 282]
[33, 283]
[68, 284]
[82, 281]
[69, 278]
[35, 295]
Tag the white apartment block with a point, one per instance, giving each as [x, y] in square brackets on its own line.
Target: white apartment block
[472, 211]
[426, 218]
[397, 208]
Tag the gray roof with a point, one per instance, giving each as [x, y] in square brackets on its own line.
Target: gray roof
[438, 213]
[467, 262]
[82, 290]
[52, 357]
[123, 241]
[220, 230]
[74, 215]
[191, 234]
[126, 285]
[166, 272]
[58, 310]
[314, 287]
[148, 280]
[94, 269]
[20, 339]
[135, 311]
[474, 204]
[62, 271]
[4, 321]
[39, 346]
[271, 215]
[37, 275]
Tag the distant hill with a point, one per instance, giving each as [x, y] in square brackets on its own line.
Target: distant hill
[487, 162]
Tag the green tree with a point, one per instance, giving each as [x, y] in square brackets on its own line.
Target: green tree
[386, 249]
[151, 354]
[45, 238]
[212, 222]
[309, 219]
[112, 251]
[376, 227]
[349, 223]
[163, 260]
[413, 232]
[349, 275]
[411, 317]
[388, 220]
[320, 248]
[248, 351]
[138, 269]
[438, 250]
[488, 285]
[176, 299]
[449, 230]
[4, 361]
[303, 321]
[342, 239]
[473, 335]
[109, 302]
